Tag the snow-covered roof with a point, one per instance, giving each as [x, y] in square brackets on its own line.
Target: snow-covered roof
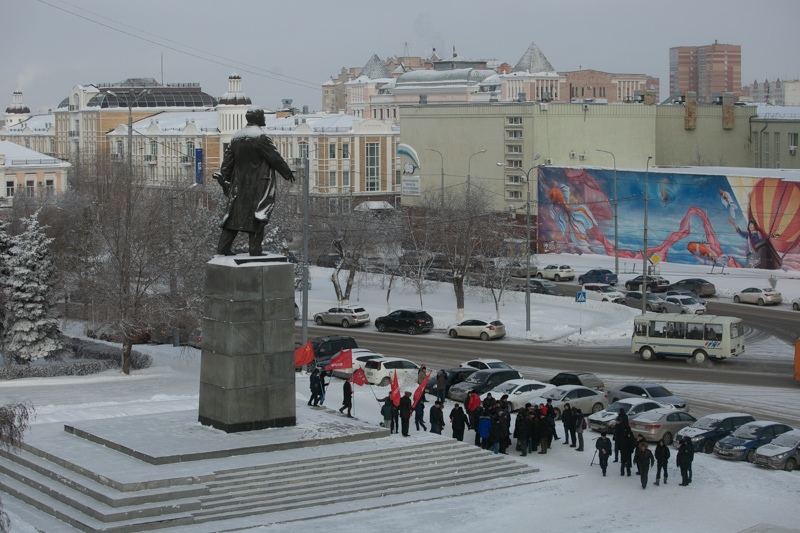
[19, 156]
[39, 124]
[457, 76]
[375, 69]
[533, 60]
[175, 122]
[319, 122]
[778, 112]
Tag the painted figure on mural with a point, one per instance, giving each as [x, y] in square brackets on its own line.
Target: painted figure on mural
[247, 177]
[760, 251]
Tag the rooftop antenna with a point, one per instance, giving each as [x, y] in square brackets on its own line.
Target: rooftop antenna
[405, 48]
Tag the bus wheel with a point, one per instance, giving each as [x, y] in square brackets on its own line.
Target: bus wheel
[646, 353]
[700, 357]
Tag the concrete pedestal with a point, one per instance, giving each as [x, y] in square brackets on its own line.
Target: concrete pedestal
[247, 379]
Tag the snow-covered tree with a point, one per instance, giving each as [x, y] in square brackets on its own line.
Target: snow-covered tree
[31, 330]
[5, 246]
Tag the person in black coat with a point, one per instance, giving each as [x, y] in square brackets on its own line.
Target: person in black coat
[662, 458]
[458, 421]
[568, 419]
[626, 445]
[474, 417]
[405, 412]
[419, 414]
[579, 427]
[315, 385]
[437, 417]
[684, 460]
[347, 398]
[545, 432]
[644, 461]
[524, 431]
[603, 447]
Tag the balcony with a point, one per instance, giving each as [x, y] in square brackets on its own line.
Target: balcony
[73, 134]
[187, 160]
[151, 159]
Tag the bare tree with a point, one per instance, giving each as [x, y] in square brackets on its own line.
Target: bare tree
[14, 422]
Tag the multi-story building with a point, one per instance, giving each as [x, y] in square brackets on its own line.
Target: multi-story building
[595, 86]
[778, 92]
[25, 172]
[707, 71]
[37, 133]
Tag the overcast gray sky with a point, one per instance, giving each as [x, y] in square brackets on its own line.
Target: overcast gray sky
[288, 49]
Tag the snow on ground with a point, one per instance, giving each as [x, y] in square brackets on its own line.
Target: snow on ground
[724, 496]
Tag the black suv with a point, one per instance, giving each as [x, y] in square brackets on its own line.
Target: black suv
[411, 322]
[454, 376]
[482, 381]
[325, 348]
[587, 379]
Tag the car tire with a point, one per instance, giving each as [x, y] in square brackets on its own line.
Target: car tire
[647, 354]
[557, 412]
[667, 438]
[790, 465]
[556, 278]
[760, 302]
[700, 357]
[596, 408]
[484, 336]
[648, 307]
[539, 275]
[453, 333]
[580, 281]
[345, 323]
[796, 306]
[318, 320]
[413, 330]
[751, 453]
[708, 447]
[381, 327]
[736, 299]
[384, 382]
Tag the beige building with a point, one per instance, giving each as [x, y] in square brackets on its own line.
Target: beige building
[25, 172]
[775, 135]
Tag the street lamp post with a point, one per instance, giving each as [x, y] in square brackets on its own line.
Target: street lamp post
[442, 167]
[643, 286]
[469, 166]
[528, 241]
[306, 193]
[616, 226]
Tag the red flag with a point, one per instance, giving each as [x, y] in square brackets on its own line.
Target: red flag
[303, 355]
[359, 377]
[344, 359]
[421, 389]
[394, 391]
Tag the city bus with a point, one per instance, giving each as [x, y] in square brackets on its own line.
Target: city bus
[696, 337]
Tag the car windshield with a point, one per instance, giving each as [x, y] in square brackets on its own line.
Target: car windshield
[790, 440]
[707, 422]
[608, 288]
[476, 378]
[547, 283]
[648, 416]
[688, 301]
[555, 394]
[507, 388]
[616, 406]
[658, 392]
[651, 296]
[359, 310]
[746, 432]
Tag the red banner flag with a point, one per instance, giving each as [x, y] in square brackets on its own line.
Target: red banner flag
[421, 389]
[359, 377]
[344, 359]
[304, 355]
[394, 391]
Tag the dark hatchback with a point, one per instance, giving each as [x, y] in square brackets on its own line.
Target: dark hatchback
[482, 381]
[407, 321]
[598, 275]
[543, 286]
[697, 286]
[705, 433]
[454, 376]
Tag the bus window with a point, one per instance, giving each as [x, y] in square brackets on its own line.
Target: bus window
[694, 331]
[640, 329]
[713, 332]
[676, 330]
[736, 330]
[658, 328]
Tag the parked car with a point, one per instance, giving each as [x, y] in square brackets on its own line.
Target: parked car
[660, 423]
[598, 275]
[587, 379]
[654, 283]
[697, 286]
[782, 453]
[754, 295]
[482, 381]
[478, 329]
[652, 391]
[687, 304]
[381, 371]
[484, 364]
[325, 348]
[606, 419]
[544, 286]
[603, 292]
[520, 391]
[343, 316]
[360, 358]
[518, 270]
[557, 273]
[654, 303]
[411, 322]
[796, 304]
[452, 377]
[586, 399]
[741, 444]
[708, 430]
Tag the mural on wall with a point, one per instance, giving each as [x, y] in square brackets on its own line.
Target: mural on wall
[733, 221]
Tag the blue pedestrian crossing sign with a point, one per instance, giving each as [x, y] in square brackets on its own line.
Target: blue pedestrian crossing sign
[580, 297]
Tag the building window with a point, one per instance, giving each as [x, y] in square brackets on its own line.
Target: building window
[346, 178]
[765, 139]
[10, 189]
[514, 149]
[190, 150]
[514, 195]
[49, 187]
[777, 150]
[332, 179]
[516, 163]
[303, 150]
[515, 134]
[792, 139]
[120, 148]
[398, 178]
[154, 148]
[52, 146]
[332, 151]
[373, 167]
[515, 179]
[30, 188]
[333, 205]
[514, 121]
[756, 150]
[345, 150]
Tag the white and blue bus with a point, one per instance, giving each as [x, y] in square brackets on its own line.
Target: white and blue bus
[697, 337]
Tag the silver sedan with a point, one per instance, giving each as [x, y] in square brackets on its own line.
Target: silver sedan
[478, 329]
[754, 295]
